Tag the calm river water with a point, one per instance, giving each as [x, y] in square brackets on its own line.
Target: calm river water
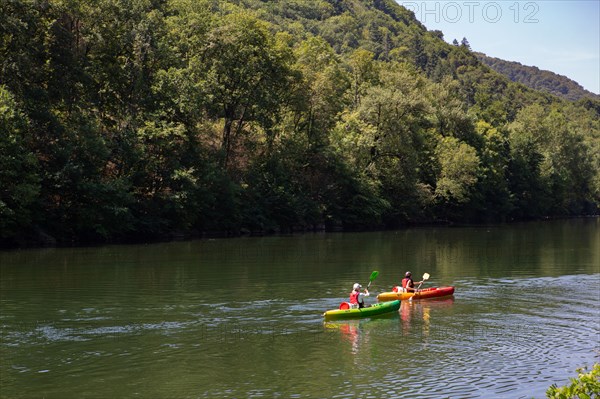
[242, 318]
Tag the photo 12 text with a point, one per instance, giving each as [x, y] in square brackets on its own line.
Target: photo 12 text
[474, 11]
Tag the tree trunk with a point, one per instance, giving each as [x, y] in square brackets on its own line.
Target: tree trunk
[226, 143]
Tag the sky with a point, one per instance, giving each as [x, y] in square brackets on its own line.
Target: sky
[561, 36]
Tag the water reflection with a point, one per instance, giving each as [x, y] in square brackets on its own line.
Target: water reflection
[349, 330]
[358, 332]
[415, 316]
[179, 319]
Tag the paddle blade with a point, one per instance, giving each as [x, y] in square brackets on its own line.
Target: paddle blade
[373, 276]
[425, 276]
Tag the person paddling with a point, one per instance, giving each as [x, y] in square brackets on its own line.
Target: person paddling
[357, 297]
[408, 284]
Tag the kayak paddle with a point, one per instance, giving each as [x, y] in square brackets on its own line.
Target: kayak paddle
[373, 277]
[425, 278]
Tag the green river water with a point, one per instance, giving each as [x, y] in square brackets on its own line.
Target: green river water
[242, 317]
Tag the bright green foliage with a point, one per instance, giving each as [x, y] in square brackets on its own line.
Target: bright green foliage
[364, 73]
[322, 91]
[492, 193]
[397, 113]
[127, 119]
[245, 76]
[553, 167]
[528, 187]
[585, 386]
[449, 111]
[354, 140]
[459, 170]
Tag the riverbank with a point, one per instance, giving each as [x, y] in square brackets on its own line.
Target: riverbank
[38, 238]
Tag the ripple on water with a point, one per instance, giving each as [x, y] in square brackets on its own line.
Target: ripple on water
[540, 326]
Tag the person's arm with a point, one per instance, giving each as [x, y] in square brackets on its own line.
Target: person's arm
[418, 285]
[361, 298]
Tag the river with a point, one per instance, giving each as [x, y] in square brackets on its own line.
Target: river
[242, 317]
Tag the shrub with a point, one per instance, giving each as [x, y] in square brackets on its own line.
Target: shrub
[585, 386]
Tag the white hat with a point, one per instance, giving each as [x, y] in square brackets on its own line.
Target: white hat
[356, 286]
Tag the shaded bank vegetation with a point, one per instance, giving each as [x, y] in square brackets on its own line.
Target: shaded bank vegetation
[137, 119]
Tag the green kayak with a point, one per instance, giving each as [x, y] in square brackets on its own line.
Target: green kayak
[373, 310]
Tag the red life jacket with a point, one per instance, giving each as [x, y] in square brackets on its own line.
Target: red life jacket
[354, 297]
[405, 281]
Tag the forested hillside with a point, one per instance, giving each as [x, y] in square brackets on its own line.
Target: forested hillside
[140, 119]
[538, 79]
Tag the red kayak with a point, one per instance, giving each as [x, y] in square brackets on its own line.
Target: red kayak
[425, 293]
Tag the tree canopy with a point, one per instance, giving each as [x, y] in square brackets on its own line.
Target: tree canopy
[538, 79]
[139, 119]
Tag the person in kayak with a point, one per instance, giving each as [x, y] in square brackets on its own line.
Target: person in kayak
[357, 297]
[408, 285]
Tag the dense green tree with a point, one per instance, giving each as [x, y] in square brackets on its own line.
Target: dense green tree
[397, 112]
[528, 187]
[361, 201]
[465, 43]
[568, 165]
[134, 119]
[324, 90]
[364, 73]
[492, 193]
[449, 111]
[246, 76]
[19, 179]
[458, 173]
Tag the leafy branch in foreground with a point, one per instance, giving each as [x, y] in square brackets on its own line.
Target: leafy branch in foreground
[585, 386]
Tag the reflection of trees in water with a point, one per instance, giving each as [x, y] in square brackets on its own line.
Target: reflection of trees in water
[415, 316]
[543, 247]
